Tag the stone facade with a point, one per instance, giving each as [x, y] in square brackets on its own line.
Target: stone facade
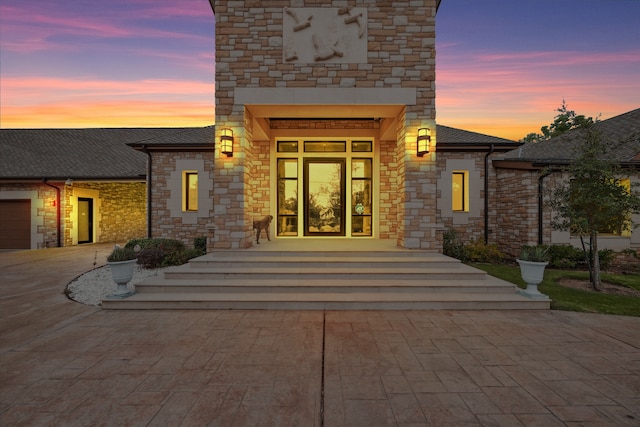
[517, 210]
[119, 207]
[169, 219]
[119, 210]
[259, 77]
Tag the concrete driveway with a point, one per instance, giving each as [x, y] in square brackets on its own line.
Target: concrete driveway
[63, 363]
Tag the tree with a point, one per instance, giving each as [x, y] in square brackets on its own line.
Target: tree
[593, 199]
[565, 121]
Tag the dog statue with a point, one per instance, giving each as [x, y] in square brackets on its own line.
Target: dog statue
[262, 224]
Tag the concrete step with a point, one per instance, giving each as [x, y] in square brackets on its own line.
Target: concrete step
[323, 261]
[327, 301]
[328, 280]
[319, 273]
[306, 253]
[304, 285]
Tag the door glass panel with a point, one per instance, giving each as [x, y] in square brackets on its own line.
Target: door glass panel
[324, 197]
[361, 226]
[287, 197]
[361, 197]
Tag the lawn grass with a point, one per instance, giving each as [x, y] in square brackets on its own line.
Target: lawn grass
[569, 299]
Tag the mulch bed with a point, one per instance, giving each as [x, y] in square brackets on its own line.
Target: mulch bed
[606, 288]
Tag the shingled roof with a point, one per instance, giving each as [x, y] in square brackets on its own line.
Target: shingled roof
[453, 139]
[90, 154]
[620, 133]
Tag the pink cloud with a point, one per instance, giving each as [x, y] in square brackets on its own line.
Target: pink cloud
[512, 94]
[110, 114]
[23, 87]
[34, 27]
[58, 102]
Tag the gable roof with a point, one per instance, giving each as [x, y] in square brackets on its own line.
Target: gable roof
[621, 133]
[89, 154]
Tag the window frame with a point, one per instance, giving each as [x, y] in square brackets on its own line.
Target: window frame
[463, 198]
[187, 194]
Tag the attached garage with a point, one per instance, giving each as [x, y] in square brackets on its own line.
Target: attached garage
[15, 224]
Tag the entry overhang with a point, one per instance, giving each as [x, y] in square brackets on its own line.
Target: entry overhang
[326, 96]
[326, 103]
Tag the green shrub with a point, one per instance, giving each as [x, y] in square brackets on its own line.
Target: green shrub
[161, 252]
[151, 257]
[182, 257]
[537, 253]
[565, 257]
[453, 248]
[606, 258]
[478, 251]
[122, 254]
[200, 243]
[167, 245]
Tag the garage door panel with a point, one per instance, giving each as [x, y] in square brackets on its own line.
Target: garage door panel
[15, 224]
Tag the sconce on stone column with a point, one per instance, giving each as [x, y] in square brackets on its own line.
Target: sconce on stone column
[226, 142]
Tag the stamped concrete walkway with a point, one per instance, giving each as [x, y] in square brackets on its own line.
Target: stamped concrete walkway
[66, 364]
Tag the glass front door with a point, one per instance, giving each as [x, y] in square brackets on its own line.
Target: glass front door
[324, 197]
[325, 188]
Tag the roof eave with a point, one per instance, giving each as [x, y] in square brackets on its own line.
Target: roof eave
[171, 147]
[484, 146]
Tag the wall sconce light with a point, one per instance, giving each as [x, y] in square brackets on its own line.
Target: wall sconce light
[69, 182]
[424, 141]
[226, 142]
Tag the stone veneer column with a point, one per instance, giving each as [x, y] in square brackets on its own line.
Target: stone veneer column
[252, 54]
[418, 227]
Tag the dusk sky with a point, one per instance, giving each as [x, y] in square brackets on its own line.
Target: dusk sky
[503, 66]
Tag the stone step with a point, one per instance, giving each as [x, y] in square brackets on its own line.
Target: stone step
[304, 285]
[327, 301]
[328, 262]
[327, 280]
[306, 253]
[319, 273]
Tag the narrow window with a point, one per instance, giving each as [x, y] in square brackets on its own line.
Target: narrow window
[287, 197]
[459, 192]
[191, 191]
[361, 197]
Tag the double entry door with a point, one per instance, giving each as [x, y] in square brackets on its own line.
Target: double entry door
[337, 196]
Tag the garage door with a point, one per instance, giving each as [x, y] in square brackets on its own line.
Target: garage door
[15, 224]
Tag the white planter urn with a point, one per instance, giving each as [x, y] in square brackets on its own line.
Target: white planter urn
[532, 273]
[122, 273]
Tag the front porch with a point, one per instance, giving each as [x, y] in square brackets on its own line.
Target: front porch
[325, 274]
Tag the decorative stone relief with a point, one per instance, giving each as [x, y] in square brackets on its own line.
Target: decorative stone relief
[325, 35]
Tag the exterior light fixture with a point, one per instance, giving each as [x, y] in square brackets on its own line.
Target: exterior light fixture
[226, 142]
[424, 141]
